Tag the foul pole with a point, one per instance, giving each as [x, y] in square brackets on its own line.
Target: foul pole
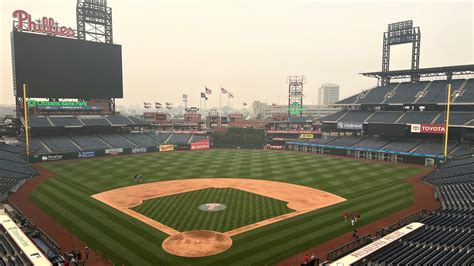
[25, 113]
[448, 107]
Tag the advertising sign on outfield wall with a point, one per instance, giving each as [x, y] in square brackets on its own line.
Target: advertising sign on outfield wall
[112, 152]
[138, 150]
[203, 144]
[86, 154]
[166, 147]
[51, 157]
[306, 136]
[349, 125]
[428, 128]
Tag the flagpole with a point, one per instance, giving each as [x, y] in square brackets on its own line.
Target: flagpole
[220, 101]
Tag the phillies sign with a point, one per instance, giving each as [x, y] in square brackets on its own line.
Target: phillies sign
[46, 25]
[428, 128]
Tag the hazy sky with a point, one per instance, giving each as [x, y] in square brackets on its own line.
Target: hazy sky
[177, 47]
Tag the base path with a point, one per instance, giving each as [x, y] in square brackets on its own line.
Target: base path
[198, 243]
[300, 198]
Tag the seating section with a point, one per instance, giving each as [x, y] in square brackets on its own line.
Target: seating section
[116, 140]
[39, 121]
[119, 120]
[405, 145]
[138, 121]
[459, 196]
[467, 94]
[142, 140]
[324, 140]
[95, 121]
[62, 121]
[372, 143]
[179, 138]
[333, 117]
[435, 148]
[346, 141]
[406, 92]
[159, 137]
[455, 118]
[10, 253]
[36, 145]
[60, 144]
[89, 142]
[418, 117]
[377, 94]
[195, 138]
[355, 116]
[13, 169]
[384, 117]
[446, 239]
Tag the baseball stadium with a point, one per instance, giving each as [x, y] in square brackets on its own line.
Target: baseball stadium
[385, 179]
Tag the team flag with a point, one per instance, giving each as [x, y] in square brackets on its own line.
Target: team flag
[168, 104]
[224, 91]
[207, 91]
[157, 104]
[231, 95]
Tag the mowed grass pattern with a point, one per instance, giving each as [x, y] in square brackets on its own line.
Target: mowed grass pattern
[373, 189]
[242, 208]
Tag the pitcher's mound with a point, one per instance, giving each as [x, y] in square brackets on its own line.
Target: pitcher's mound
[198, 243]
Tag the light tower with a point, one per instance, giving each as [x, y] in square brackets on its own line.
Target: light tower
[295, 95]
[94, 21]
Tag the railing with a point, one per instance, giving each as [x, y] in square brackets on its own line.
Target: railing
[414, 217]
[348, 248]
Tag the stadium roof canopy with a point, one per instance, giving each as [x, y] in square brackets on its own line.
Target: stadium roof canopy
[423, 72]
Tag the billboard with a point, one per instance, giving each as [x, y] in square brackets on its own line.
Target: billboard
[428, 128]
[86, 154]
[55, 67]
[166, 147]
[350, 125]
[112, 152]
[139, 150]
[306, 136]
[203, 144]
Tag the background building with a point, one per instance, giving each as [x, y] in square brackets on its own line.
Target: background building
[328, 94]
[258, 108]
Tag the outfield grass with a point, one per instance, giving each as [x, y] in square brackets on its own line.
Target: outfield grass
[181, 211]
[373, 189]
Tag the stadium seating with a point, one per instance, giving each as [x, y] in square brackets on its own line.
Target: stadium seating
[455, 118]
[384, 117]
[377, 94]
[141, 139]
[405, 145]
[467, 93]
[433, 147]
[159, 137]
[65, 121]
[354, 116]
[346, 141]
[372, 143]
[324, 140]
[406, 93]
[333, 117]
[138, 121]
[195, 138]
[100, 121]
[36, 145]
[179, 138]
[417, 117]
[437, 91]
[39, 121]
[119, 120]
[60, 144]
[116, 140]
[89, 142]
[11, 254]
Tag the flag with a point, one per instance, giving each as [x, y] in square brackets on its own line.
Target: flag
[168, 107]
[224, 91]
[274, 104]
[231, 95]
[203, 95]
[168, 104]
[146, 103]
[157, 104]
[207, 91]
[245, 104]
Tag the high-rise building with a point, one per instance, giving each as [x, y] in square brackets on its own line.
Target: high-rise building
[328, 94]
[258, 108]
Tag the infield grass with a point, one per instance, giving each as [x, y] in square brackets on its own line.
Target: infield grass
[242, 208]
[373, 189]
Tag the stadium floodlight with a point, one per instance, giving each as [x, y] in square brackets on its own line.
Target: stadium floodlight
[295, 95]
[94, 21]
[400, 33]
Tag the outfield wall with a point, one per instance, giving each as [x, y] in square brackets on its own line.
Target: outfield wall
[364, 153]
[199, 145]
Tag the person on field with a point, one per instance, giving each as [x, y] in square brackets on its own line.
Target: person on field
[346, 215]
[306, 258]
[135, 178]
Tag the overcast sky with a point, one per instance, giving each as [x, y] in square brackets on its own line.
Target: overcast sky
[249, 47]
